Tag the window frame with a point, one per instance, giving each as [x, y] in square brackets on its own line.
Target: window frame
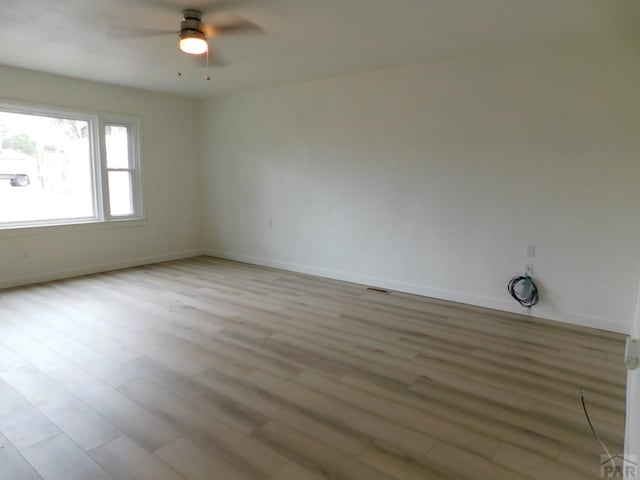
[133, 146]
[97, 122]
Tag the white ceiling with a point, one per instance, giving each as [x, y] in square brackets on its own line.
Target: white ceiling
[305, 39]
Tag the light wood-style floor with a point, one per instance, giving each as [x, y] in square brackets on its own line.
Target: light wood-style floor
[207, 369]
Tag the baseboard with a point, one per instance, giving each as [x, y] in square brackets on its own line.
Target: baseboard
[97, 268]
[460, 297]
[426, 291]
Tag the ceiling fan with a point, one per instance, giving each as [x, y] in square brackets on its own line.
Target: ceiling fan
[194, 35]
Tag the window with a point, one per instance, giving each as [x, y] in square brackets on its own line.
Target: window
[60, 167]
[120, 171]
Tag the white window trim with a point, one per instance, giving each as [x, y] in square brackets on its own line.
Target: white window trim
[135, 166]
[97, 121]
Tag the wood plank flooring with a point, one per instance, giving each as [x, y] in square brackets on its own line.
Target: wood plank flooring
[204, 368]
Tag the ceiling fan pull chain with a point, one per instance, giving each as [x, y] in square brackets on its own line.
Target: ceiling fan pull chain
[207, 76]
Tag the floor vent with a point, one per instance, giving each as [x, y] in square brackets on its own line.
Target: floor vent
[378, 290]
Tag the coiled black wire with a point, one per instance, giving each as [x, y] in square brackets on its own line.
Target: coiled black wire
[517, 287]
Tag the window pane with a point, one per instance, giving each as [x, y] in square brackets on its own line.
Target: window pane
[120, 193]
[45, 168]
[117, 143]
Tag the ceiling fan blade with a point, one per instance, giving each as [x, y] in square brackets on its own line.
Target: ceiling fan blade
[238, 27]
[122, 32]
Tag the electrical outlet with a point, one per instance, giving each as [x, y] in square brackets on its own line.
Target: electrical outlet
[531, 250]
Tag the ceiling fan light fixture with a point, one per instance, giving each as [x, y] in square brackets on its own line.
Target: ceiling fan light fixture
[193, 43]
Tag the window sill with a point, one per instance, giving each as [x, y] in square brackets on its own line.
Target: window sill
[47, 229]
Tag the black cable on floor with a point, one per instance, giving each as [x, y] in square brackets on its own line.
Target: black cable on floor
[593, 430]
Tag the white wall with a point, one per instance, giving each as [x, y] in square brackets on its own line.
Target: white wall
[434, 178]
[172, 188]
